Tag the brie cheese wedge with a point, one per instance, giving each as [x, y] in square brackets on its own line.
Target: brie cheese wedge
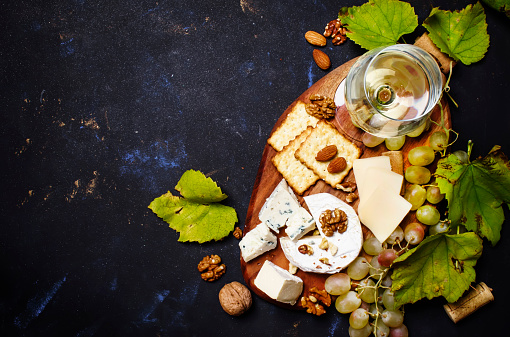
[349, 243]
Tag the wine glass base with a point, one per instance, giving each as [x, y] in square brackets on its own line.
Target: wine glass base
[342, 117]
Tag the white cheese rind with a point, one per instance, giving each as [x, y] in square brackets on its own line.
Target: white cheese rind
[279, 206]
[348, 243]
[299, 223]
[256, 242]
[278, 283]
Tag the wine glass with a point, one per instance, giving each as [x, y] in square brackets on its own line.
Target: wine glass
[390, 91]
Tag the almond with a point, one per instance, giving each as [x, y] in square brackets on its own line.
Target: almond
[326, 153]
[337, 165]
[321, 59]
[315, 38]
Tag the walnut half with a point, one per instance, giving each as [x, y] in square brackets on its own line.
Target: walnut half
[332, 221]
[211, 268]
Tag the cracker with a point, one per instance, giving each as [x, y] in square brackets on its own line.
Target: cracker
[297, 175]
[322, 135]
[292, 126]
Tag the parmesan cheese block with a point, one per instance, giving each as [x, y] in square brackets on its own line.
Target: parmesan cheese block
[278, 283]
[347, 245]
[280, 205]
[383, 211]
[360, 167]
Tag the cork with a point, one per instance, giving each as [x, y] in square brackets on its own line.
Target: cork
[472, 301]
[442, 59]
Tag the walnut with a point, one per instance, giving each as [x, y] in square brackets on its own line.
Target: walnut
[235, 298]
[347, 186]
[316, 301]
[351, 197]
[321, 106]
[337, 31]
[305, 249]
[332, 221]
[211, 268]
[238, 233]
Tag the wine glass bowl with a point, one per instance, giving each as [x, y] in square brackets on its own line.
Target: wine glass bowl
[390, 91]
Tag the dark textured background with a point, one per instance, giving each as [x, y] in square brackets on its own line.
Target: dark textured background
[106, 103]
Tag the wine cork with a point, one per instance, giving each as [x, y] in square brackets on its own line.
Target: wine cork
[475, 299]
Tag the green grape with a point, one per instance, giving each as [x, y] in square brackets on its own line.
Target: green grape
[395, 143]
[440, 227]
[371, 140]
[363, 332]
[417, 175]
[372, 246]
[462, 156]
[434, 195]
[400, 331]
[388, 300]
[416, 195]
[438, 140]
[392, 318]
[366, 290]
[381, 329]
[358, 318]
[338, 284]
[421, 156]
[414, 233]
[358, 268]
[428, 215]
[419, 130]
[396, 236]
[347, 302]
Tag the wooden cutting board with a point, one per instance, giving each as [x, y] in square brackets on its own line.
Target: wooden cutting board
[268, 177]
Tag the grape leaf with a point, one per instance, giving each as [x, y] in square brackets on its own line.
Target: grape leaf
[379, 23]
[499, 5]
[460, 34]
[476, 192]
[194, 186]
[441, 265]
[197, 215]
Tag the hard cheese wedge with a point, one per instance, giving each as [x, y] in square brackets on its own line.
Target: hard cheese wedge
[376, 176]
[360, 167]
[382, 211]
[278, 283]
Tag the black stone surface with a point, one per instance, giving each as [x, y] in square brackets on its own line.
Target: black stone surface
[107, 103]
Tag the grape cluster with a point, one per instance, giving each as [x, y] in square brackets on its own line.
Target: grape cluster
[364, 290]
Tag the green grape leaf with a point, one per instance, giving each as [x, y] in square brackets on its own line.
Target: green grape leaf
[476, 192]
[195, 221]
[197, 215]
[194, 186]
[460, 34]
[441, 265]
[379, 23]
[499, 5]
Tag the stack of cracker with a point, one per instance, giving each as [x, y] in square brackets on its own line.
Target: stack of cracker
[298, 139]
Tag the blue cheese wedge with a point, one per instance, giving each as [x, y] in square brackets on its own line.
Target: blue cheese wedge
[299, 223]
[256, 242]
[343, 247]
[281, 204]
[278, 283]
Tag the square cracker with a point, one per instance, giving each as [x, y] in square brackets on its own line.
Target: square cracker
[292, 126]
[322, 135]
[297, 175]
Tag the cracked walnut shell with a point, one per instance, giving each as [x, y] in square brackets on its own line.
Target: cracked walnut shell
[235, 298]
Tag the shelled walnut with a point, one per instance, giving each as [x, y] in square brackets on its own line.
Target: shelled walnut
[321, 106]
[211, 268]
[316, 301]
[238, 233]
[332, 221]
[337, 31]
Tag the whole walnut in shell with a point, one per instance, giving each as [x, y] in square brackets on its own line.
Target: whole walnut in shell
[235, 298]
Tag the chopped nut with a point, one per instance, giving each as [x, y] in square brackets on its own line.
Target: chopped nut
[238, 233]
[312, 308]
[325, 260]
[324, 244]
[348, 186]
[316, 301]
[321, 106]
[332, 221]
[292, 268]
[211, 268]
[351, 197]
[305, 249]
[332, 249]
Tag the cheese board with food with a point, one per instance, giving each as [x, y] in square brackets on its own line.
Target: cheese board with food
[320, 192]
